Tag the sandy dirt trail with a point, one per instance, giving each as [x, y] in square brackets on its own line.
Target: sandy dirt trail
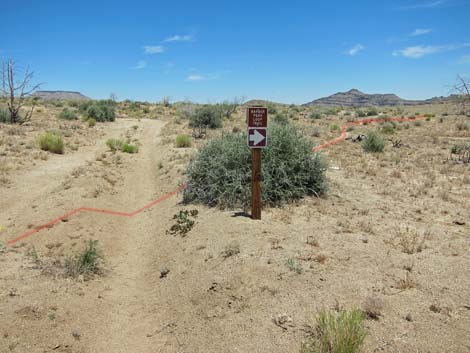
[128, 317]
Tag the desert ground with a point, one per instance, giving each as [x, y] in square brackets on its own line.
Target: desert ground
[391, 236]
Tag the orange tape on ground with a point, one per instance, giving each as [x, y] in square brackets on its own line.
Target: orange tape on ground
[52, 223]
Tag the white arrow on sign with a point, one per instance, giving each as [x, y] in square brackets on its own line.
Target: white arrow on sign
[256, 137]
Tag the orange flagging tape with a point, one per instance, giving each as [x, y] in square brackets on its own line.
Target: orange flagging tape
[97, 210]
[52, 223]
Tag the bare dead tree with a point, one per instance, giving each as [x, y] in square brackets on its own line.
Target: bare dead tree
[17, 91]
[229, 107]
[462, 90]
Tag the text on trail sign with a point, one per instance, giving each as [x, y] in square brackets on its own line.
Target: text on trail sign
[257, 120]
[257, 117]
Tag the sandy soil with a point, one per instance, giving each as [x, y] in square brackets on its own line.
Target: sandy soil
[347, 248]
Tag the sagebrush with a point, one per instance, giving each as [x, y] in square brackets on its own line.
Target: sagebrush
[220, 175]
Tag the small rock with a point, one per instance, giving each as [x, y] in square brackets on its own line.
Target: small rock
[164, 272]
[408, 317]
[76, 334]
[365, 239]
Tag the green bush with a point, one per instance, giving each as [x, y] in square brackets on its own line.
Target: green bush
[315, 115]
[67, 114]
[207, 116]
[101, 111]
[220, 174]
[115, 144]
[51, 142]
[272, 109]
[388, 128]
[360, 114]
[87, 262]
[373, 143]
[128, 148]
[281, 119]
[183, 141]
[335, 127]
[91, 122]
[4, 116]
[372, 112]
[337, 332]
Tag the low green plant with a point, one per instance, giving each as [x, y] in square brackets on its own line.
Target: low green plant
[372, 112]
[335, 127]
[4, 116]
[281, 118]
[91, 122]
[185, 220]
[294, 266]
[68, 114]
[101, 111]
[315, 115]
[337, 332]
[128, 148]
[86, 262]
[207, 116]
[115, 144]
[388, 128]
[183, 141]
[51, 142]
[221, 172]
[373, 143]
[361, 114]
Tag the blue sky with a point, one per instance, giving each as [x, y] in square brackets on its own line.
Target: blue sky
[288, 51]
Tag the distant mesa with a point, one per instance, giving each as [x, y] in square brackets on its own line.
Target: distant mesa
[356, 98]
[60, 95]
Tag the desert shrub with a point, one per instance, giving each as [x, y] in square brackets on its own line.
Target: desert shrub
[183, 141]
[337, 332]
[360, 114]
[67, 114]
[207, 116]
[462, 150]
[4, 116]
[86, 262]
[418, 123]
[51, 142]
[272, 109]
[146, 110]
[335, 127]
[185, 221]
[372, 112]
[128, 148]
[281, 118]
[220, 174]
[388, 128]
[101, 111]
[91, 122]
[462, 126]
[115, 144]
[373, 143]
[315, 115]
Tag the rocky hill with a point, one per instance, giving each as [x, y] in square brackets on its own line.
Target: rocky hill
[356, 98]
[60, 95]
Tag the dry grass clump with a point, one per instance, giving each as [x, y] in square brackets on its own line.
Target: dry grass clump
[409, 240]
[183, 141]
[51, 142]
[337, 332]
[86, 262]
[373, 306]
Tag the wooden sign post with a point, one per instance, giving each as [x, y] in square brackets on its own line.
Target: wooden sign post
[257, 121]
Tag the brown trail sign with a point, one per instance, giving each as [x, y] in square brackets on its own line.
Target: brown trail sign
[257, 121]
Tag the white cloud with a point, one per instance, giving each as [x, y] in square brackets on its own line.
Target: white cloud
[426, 5]
[420, 32]
[179, 38]
[356, 49]
[464, 60]
[196, 78]
[141, 64]
[419, 51]
[153, 49]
